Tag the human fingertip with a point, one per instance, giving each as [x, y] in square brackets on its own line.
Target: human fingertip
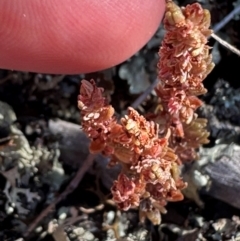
[71, 36]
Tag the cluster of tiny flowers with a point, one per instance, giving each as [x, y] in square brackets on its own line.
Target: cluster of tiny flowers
[184, 64]
[151, 150]
[150, 175]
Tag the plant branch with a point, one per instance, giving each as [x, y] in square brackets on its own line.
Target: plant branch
[144, 95]
[226, 44]
[72, 185]
[225, 20]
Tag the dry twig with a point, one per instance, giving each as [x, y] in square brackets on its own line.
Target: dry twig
[225, 20]
[72, 185]
[226, 44]
[220, 25]
[144, 95]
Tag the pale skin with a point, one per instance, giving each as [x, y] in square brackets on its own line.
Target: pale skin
[74, 36]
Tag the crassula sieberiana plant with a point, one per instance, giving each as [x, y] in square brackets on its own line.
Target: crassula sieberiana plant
[184, 64]
[151, 150]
